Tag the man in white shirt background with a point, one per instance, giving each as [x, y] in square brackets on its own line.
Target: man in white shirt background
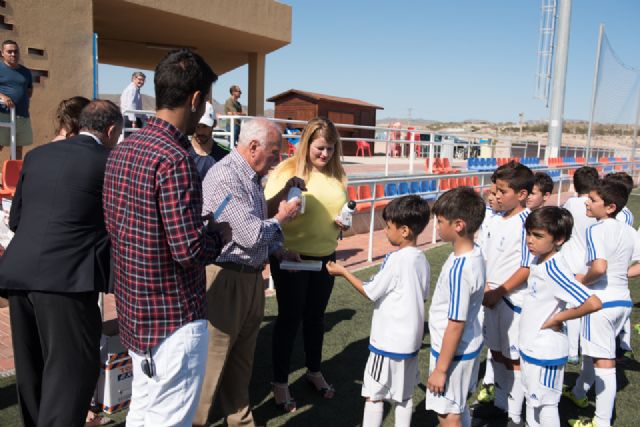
[131, 99]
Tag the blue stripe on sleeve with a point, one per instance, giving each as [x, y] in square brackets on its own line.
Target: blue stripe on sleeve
[455, 279]
[591, 250]
[451, 287]
[565, 283]
[525, 255]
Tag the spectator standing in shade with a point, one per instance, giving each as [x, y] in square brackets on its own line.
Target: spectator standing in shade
[303, 295]
[55, 267]
[131, 99]
[232, 107]
[235, 288]
[203, 150]
[16, 88]
[153, 207]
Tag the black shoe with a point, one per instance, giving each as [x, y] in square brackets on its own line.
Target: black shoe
[513, 424]
[487, 411]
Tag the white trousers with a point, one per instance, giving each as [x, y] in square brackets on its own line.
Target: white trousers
[171, 396]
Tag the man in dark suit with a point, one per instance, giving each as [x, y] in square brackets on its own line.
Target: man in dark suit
[55, 267]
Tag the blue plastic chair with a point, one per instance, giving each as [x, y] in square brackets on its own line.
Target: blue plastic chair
[391, 189]
[403, 188]
[424, 186]
[434, 185]
[415, 187]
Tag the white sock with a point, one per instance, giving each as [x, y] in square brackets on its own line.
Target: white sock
[548, 416]
[500, 382]
[516, 396]
[403, 413]
[488, 372]
[605, 395]
[585, 379]
[373, 412]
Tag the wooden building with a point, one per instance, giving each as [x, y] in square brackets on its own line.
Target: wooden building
[301, 105]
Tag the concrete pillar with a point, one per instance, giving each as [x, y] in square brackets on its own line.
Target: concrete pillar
[256, 84]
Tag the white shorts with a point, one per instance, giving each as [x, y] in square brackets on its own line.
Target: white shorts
[457, 388]
[501, 329]
[390, 379]
[542, 384]
[600, 329]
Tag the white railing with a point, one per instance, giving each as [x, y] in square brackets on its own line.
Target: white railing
[11, 125]
[125, 115]
[447, 141]
[483, 182]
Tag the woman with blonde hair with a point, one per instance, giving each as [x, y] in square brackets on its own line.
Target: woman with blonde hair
[303, 295]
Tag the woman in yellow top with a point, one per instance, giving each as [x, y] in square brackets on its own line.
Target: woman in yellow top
[303, 295]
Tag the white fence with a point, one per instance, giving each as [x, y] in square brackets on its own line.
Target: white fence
[11, 125]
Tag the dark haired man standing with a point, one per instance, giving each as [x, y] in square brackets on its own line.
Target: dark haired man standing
[153, 210]
[54, 268]
[16, 88]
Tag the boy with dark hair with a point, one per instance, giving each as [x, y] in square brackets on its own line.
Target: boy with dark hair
[610, 248]
[454, 323]
[543, 341]
[625, 215]
[541, 191]
[399, 291]
[574, 250]
[507, 270]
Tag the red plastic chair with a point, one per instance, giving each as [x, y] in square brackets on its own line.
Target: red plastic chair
[10, 176]
[364, 192]
[291, 150]
[352, 194]
[444, 184]
[362, 147]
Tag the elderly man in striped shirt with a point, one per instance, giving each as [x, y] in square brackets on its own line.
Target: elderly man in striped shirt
[235, 288]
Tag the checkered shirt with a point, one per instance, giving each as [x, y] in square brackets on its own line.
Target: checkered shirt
[254, 236]
[153, 204]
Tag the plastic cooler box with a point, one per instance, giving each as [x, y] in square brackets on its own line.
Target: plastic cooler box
[116, 372]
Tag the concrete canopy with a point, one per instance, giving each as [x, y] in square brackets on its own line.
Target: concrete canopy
[138, 33]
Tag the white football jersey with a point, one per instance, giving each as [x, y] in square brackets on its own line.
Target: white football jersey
[575, 248]
[481, 235]
[458, 296]
[399, 291]
[625, 215]
[550, 287]
[506, 250]
[614, 242]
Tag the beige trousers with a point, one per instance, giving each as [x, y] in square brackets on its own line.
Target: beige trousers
[235, 311]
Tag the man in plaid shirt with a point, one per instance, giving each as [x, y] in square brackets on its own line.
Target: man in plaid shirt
[153, 213]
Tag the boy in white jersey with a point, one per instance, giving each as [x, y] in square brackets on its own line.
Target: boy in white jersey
[507, 269]
[544, 347]
[454, 325]
[625, 353]
[574, 250]
[609, 251]
[399, 291]
[625, 215]
[541, 191]
[487, 388]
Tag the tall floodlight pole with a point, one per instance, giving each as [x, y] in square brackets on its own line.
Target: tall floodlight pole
[594, 91]
[559, 80]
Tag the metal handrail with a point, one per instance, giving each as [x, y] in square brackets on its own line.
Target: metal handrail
[12, 130]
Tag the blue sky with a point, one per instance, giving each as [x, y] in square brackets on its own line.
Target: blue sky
[446, 60]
